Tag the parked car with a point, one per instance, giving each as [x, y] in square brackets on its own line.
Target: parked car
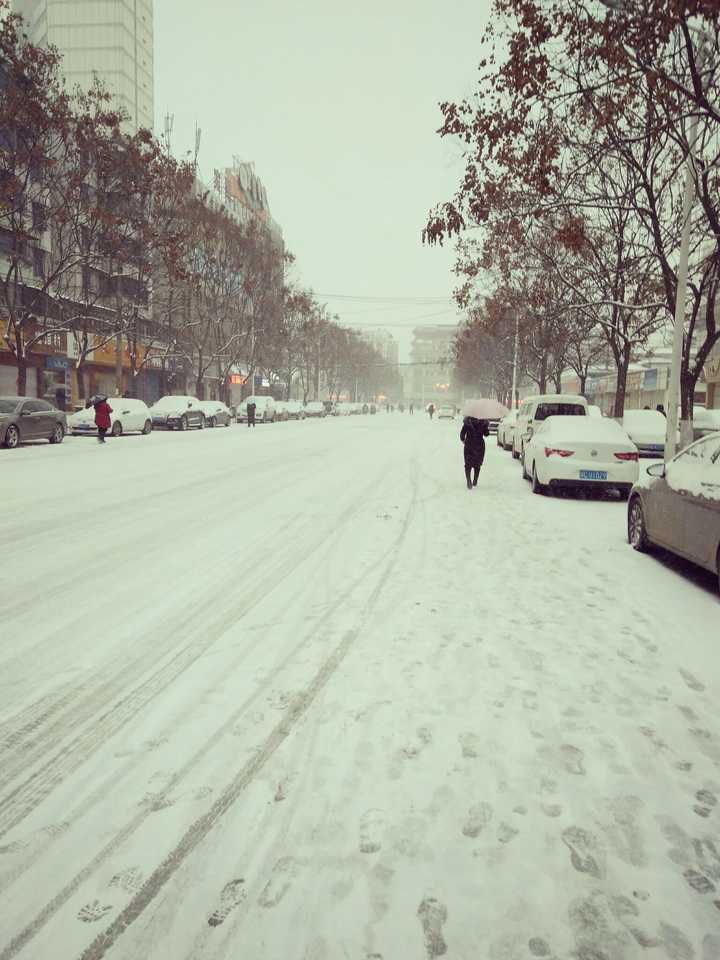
[216, 413]
[705, 421]
[446, 412]
[678, 508]
[24, 418]
[505, 430]
[646, 429]
[295, 410]
[576, 452]
[281, 412]
[533, 411]
[342, 409]
[128, 416]
[264, 410]
[315, 408]
[177, 413]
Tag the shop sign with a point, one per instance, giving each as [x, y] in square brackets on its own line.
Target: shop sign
[57, 363]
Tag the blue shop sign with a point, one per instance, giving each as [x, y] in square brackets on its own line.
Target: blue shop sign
[56, 363]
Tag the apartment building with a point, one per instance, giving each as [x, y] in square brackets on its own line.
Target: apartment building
[110, 39]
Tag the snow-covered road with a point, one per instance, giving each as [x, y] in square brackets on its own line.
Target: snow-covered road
[296, 694]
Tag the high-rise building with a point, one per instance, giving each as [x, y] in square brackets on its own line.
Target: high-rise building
[110, 39]
[431, 356]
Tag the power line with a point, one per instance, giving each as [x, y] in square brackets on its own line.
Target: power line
[410, 301]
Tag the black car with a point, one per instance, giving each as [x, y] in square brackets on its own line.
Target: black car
[177, 413]
[24, 418]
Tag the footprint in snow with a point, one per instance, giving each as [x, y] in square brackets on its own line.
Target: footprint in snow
[692, 682]
[470, 744]
[433, 915]
[281, 878]
[92, 912]
[479, 816]
[371, 825]
[232, 895]
[573, 759]
[706, 801]
[585, 853]
[128, 880]
[506, 832]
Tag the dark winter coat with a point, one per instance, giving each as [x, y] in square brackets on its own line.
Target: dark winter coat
[102, 415]
[473, 435]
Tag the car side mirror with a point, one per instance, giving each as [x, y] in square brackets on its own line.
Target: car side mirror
[656, 470]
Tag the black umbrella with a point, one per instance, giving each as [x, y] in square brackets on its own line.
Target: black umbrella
[96, 399]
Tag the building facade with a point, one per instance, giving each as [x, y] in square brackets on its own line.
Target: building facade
[108, 39]
[432, 364]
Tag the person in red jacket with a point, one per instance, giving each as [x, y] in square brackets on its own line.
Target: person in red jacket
[102, 418]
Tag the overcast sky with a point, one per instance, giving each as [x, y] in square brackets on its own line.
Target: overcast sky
[337, 105]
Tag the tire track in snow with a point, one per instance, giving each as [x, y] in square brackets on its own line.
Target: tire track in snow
[20, 801]
[204, 824]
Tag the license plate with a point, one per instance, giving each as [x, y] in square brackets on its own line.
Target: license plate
[593, 474]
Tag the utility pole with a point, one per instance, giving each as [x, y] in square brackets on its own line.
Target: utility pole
[513, 399]
[673, 419]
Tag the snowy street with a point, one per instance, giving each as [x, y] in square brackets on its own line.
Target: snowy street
[296, 694]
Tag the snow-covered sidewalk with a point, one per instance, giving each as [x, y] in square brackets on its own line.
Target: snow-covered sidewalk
[297, 693]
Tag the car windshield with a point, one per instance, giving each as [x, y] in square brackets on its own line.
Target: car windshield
[8, 406]
[546, 410]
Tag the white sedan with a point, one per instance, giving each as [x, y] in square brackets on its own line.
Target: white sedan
[577, 452]
[128, 416]
[505, 430]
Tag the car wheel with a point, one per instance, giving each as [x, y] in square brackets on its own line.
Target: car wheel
[201, 425]
[58, 433]
[537, 487]
[515, 454]
[637, 531]
[12, 437]
[116, 429]
[212, 423]
[183, 423]
[147, 428]
[525, 474]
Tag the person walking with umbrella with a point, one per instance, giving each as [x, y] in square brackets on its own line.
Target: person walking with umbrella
[474, 430]
[473, 435]
[102, 416]
[431, 410]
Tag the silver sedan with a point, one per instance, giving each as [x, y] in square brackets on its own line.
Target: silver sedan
[679, 508]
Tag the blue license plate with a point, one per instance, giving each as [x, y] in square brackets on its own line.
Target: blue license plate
[593, 474]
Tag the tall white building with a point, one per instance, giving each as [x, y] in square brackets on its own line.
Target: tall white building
[111, 39]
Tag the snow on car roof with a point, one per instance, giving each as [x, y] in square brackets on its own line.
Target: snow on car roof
[644, 418]
[585, 428]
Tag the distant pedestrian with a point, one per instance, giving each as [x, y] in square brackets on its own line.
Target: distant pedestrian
[411, 408]
[402, 408]
[431, 410]
[102, 417]
[251, 408]
[473, 435]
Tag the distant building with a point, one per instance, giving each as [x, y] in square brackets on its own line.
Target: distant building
[113, 41]
[431, 357]
[385, 344]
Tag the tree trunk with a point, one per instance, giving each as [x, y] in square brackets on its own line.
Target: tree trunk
[542, 375]
[21, 376]
[583, 383]
[622, 372]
